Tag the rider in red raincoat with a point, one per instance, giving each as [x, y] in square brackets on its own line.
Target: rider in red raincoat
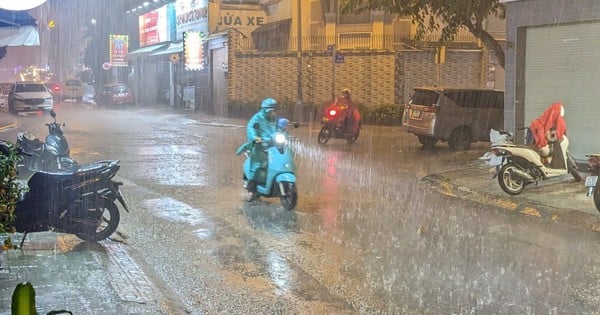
[551, 124]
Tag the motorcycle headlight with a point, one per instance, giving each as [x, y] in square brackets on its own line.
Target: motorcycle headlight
[280, 138]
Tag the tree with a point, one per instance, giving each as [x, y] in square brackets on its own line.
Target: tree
[449, 15]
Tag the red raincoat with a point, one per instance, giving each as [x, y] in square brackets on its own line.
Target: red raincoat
[550, 118]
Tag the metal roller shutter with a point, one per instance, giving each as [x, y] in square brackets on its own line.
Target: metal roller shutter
[562, 63]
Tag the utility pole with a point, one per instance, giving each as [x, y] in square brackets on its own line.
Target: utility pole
[299, 25]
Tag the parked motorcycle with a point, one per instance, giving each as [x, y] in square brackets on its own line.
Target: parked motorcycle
[51, 155]
[521, 165]
[80, 200]
[277, 177]
[591, 181]
[336, 125]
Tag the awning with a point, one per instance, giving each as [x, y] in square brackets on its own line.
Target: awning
[145, 50]
[173, 48]
[18, 28]
[19, 36]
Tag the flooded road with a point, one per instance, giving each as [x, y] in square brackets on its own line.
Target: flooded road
[366, 237]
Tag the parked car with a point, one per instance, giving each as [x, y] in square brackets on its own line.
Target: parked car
[29, 96]
[460, 116]
[4, 91]
[72, 89]
[115, 94]
[55, 89]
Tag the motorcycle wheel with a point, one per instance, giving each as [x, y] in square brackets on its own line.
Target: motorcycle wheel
[94, 230]
[572, 167]
[288, 197]
[353, 139]
[597, 195]
[511, 184]
[324, 135]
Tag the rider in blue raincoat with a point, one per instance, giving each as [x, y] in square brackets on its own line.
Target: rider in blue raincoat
[260, 128]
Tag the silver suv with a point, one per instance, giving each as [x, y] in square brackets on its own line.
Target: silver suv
[29, 96]
[460, 116]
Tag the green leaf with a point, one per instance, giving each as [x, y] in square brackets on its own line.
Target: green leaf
[23, 300]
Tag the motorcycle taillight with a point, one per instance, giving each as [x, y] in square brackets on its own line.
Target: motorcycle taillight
[594, 160]
[332, 112]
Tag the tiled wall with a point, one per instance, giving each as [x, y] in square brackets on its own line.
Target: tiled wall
[374, 77]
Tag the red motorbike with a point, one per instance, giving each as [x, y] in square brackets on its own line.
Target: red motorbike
[337, 123]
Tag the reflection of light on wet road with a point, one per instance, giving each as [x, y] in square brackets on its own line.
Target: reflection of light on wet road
[331, 203]
[176, 211]
[279, 271]
[182, 165]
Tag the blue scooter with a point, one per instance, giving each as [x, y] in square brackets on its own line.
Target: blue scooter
[277, 176]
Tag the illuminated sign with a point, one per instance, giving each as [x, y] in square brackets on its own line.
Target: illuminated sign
[118, 50]
[191, 16]
[193, 50]
[157, 26]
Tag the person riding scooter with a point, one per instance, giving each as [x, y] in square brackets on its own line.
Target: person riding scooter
[519, 166]
[260, 127]
[352, 115]
[549, 128]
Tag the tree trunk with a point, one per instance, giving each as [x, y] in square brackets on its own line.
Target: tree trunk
[489, 41]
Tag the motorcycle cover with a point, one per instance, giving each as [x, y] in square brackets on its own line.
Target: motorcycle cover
[553, 117]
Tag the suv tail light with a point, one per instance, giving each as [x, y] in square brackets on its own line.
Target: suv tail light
[431, 109]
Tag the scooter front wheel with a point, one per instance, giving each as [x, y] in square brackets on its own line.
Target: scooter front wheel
[572, 167]
[289, 195]
[324, 135]
[510, 182]
[94, 229]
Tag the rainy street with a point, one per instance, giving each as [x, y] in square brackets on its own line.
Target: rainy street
[366, 237]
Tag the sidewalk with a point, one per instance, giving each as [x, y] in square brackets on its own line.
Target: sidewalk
[84, 278]
[560, 200]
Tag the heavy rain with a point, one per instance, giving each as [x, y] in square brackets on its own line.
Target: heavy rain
[402, 213]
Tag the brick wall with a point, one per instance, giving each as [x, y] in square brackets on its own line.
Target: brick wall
[463, 68]
[374, 77]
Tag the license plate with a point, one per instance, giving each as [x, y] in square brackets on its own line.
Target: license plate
[415, 114]
[590, 181]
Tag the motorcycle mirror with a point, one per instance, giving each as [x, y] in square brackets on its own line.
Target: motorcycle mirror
[52, 113]
[296, 124]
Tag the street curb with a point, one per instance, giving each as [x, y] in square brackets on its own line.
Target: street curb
[515, 204]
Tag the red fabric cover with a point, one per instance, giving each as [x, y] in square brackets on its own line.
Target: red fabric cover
[550, 118]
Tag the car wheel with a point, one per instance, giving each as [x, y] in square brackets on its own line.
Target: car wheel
[460, 139]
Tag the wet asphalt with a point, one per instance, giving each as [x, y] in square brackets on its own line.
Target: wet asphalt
[110, 281]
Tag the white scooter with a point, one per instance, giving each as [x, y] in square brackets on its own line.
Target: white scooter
[519, 165]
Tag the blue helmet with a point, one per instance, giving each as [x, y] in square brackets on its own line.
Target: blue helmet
[268, 104]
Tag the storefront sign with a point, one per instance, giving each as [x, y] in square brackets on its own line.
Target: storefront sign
[118, 50]
[157, 26]
[193, 50]
[244, 21]
[191, 16]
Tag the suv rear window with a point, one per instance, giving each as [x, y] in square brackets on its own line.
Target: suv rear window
[424, 97]
[30, 88]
